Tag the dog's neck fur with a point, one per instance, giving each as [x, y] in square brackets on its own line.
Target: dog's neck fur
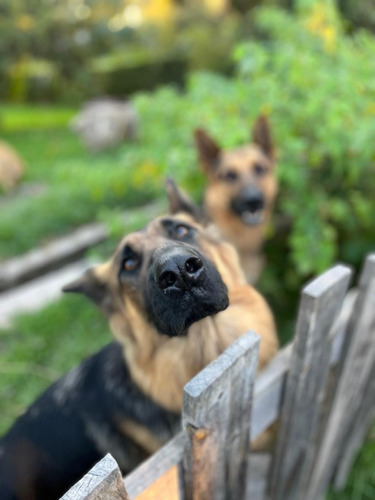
[162, 365]
[247, 240]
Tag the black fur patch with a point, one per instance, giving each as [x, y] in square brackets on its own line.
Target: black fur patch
[71, 426]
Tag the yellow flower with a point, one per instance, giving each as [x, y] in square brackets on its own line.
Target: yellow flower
[146, 172]
[322, 22]
[25, 23]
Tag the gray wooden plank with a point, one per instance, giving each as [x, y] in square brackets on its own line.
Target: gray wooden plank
[53, 255]
[62, 251]
[102, 482]
[259, 466]
[154, 467]
[320, 305]
[357, 434]
[266, 408]
[350, 398]
[34, 295]
[270, 383]
[216, 419]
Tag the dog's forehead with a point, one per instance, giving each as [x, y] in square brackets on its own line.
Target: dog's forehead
[153, 234]
[142, 239]
[244, 155]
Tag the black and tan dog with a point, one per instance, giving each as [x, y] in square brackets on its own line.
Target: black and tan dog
[165, 292]
[240, 192]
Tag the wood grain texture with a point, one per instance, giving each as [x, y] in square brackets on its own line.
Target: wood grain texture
[353, 399]
[61, 251]
[102, 482]
[357, 434]
[320, 305]
[216, 419]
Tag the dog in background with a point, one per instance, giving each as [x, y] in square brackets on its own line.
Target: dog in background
[175, 298]
[240, 193]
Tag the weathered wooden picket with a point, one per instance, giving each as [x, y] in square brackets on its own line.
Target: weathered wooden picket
[320, 389]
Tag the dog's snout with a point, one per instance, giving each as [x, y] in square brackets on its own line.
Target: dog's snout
[253, 199]
[178, 269]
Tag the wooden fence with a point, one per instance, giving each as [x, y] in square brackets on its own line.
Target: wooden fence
[320, 389]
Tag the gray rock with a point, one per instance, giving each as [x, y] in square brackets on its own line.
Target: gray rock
[105, 123]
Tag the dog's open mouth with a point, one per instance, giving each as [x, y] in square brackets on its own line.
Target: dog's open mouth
[252, 217]
[249, 206]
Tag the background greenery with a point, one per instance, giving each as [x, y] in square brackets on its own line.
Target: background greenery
[310, 69]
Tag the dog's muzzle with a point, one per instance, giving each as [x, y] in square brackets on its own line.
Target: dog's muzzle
[249, 205]
[183, 287]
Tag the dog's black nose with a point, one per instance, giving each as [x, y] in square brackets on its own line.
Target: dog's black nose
[252, 199]
[179, 269]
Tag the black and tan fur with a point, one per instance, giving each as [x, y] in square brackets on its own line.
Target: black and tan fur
[240, 193]
[165, 292]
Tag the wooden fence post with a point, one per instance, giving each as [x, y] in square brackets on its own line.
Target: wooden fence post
[303, 405]
[216, 420]
[103, 481]
[353, 402]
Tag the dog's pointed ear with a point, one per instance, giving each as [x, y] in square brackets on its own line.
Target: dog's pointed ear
[208, 150]
[92, 287]
[179, 201]
[262, 135]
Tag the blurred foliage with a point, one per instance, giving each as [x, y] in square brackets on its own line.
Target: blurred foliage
[361, 480]
[70, 51]
[316, 84]
[359, 13]
[76, 184]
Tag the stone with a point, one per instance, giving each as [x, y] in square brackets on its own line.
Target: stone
[105, 123]
[12, 167]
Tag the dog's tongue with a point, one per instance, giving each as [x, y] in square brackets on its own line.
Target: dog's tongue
[251, 218]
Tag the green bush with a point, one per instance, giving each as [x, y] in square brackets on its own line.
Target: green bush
[316, 84]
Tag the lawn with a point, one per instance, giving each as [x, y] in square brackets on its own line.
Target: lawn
[76, 186]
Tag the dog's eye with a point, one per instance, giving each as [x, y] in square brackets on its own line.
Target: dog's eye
[181, 231]
[130, 264]
[259, 169]
[231, 176]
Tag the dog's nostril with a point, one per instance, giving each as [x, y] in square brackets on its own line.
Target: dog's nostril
[193, 265]
[167, 279]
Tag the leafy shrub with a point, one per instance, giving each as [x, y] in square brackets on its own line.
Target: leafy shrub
[316, 84]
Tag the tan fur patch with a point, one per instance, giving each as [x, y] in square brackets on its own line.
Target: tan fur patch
[140, 434]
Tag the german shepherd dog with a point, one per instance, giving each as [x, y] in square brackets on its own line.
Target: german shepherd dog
[240, 192]
[165, 292]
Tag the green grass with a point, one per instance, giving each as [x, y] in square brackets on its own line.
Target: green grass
[361, 481]
[78, 185]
